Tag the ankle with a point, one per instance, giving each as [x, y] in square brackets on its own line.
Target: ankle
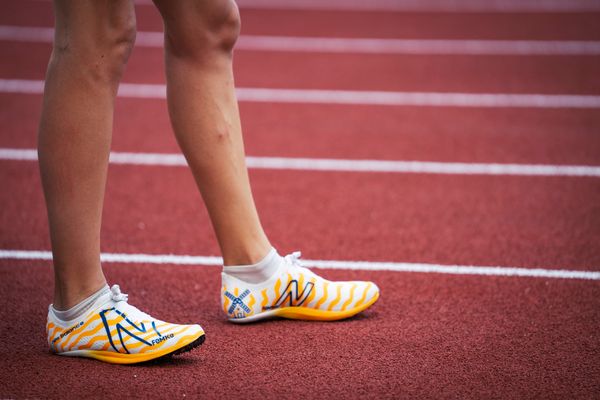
[82, 307]
[246, 256]
[66, 297]
[258, 272]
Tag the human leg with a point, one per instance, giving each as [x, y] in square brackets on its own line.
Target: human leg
[93, 40]
[92, 43]
[199, 40]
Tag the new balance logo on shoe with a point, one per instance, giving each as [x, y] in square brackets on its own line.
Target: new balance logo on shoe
[291, 295]
[122, 330]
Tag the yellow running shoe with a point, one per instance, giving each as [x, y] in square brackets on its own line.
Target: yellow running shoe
[117, 332]
[295, 292]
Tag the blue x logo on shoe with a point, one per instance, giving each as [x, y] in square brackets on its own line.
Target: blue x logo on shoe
[238, 301]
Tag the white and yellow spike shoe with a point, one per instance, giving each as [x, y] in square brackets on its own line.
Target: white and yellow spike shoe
[295, 292]
[117, 332]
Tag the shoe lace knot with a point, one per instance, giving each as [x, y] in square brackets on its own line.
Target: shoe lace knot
[116, 294]
[294, 258]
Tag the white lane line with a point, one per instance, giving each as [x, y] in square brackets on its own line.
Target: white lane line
[329, 264]
[351, 97]
[419, 46]
[321, 164]
[355, 45]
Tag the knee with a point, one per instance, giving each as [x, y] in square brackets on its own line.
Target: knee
[221, 28]
[101, 52]
[211, 27]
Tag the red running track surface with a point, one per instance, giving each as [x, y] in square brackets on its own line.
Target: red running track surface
[542, 136]
[508, 221]
[337, 23]
[430, 335]
[433, 73]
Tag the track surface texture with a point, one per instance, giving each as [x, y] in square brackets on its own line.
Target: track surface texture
[430, 335]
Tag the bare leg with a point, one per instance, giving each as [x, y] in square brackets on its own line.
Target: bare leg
[92, 42]
[199, 40]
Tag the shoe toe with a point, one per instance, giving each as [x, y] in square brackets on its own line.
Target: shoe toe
[372, 291]
[196, 330]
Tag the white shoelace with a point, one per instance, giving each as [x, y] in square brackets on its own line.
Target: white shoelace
[294, 259]
[116, 295]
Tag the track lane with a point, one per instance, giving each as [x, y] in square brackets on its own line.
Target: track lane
[505, 221]
[386, 24]
[352, 45]
[420, 73]
[399, 133]
[430, 336]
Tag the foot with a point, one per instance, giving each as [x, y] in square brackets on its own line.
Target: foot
[295, 292]
[116, 332]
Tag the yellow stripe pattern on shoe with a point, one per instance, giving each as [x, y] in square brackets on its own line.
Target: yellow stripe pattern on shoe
[295, 292]
[117, 332]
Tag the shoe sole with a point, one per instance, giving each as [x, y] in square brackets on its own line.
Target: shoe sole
[124, 358]
[307, 314]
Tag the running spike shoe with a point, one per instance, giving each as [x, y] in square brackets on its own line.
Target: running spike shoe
[295, 292]
[117, 332]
